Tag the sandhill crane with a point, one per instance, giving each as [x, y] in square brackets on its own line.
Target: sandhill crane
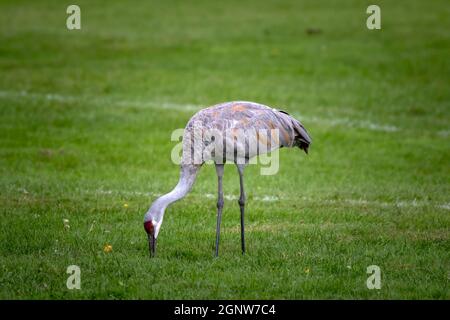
[227, 131]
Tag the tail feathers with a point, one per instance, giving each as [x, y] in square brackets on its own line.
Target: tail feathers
[301, 136]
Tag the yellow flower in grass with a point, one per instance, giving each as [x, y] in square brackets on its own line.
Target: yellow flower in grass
[107, 248]
[125, 205]
[307, 270]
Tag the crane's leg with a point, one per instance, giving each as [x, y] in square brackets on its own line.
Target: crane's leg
[219, 171]
[241, 202]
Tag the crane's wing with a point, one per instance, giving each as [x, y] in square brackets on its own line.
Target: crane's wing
[247, 120]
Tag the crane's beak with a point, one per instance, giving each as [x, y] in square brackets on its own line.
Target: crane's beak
[149, 228]
[152, 244]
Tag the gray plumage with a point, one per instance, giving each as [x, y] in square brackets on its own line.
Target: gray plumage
[227, 132]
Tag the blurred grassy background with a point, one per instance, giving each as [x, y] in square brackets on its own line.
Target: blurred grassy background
[85, 124]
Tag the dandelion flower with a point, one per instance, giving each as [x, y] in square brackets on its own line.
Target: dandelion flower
[107, 248]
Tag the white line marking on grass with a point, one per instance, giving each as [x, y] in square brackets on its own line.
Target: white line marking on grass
[398, 203]
[46, 96]
[126, 193]
[444, 133]
[104, 100]
[159, 105]
[235, 197]
[362, 124]
[152, 194]
[271, 198]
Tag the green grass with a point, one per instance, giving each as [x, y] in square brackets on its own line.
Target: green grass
[84, 130]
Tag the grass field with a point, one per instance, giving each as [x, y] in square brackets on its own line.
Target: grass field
[85, 125]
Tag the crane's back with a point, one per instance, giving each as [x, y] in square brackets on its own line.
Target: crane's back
[244, 128]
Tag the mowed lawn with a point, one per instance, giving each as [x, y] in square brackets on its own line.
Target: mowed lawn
[86, 118]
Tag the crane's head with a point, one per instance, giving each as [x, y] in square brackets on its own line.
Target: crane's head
[152, 227]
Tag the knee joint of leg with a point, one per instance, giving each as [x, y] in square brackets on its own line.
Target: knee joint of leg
[241, 201]
[220, 203]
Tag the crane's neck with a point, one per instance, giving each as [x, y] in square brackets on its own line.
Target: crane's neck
[188, 173]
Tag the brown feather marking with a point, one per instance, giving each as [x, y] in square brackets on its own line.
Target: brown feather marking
[261, 139]
[239, 108]
[274, 136]
[286, 135]
[234, 133]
